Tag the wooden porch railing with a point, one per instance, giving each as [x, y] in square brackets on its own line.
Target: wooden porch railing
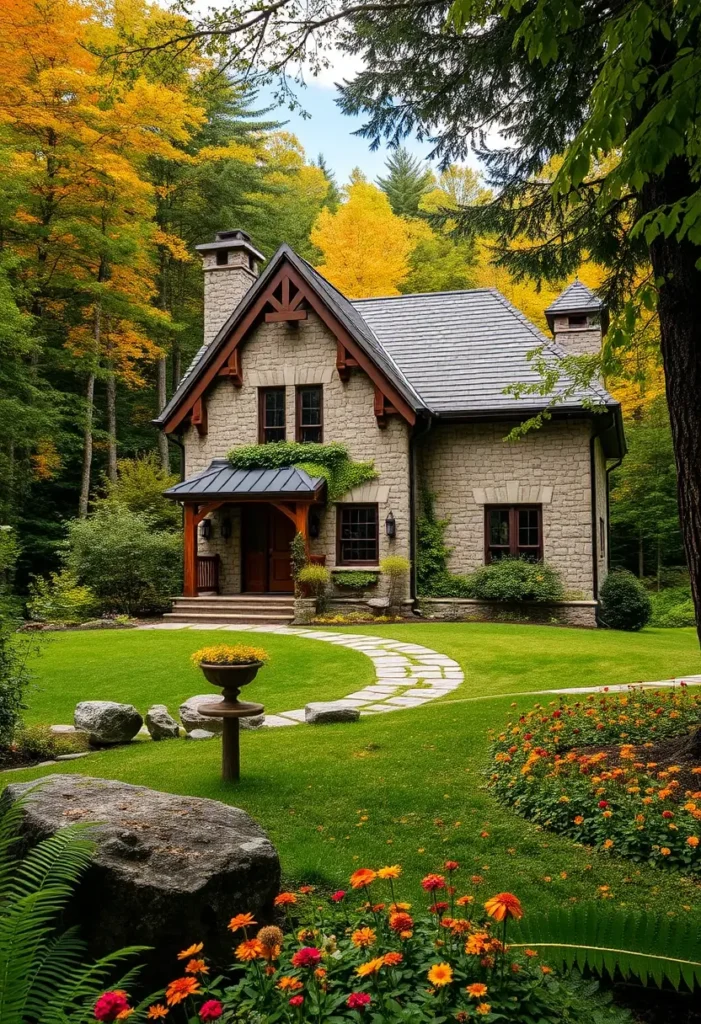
[208, 573]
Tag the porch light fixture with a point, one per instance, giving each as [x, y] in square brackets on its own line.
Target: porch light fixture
[225, 529]
[390, 525]
[314, 526]
[206, 529]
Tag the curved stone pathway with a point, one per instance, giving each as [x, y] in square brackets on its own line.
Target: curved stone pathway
[408, 675]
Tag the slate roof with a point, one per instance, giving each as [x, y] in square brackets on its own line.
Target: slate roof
[460, 350]
[221, 480]
[576, 298]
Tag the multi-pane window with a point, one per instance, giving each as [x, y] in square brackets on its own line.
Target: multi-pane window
[513, 530]
[357, 535]
[310, 414]
[271, 415]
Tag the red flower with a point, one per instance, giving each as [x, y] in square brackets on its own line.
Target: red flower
[438, 908]
[451, 865]
[338, 896]
[432, 882]
[358, 1001]
[667, 814]
[109, 1006]
[296, 1000]
[603, 803]
[308, 956]
[211, 1010]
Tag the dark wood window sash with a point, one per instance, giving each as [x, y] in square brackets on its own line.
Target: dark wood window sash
[298, 411]
[262, 432]
[339, 548]
[513, 547]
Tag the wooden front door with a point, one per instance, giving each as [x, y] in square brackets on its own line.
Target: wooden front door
[266, 537]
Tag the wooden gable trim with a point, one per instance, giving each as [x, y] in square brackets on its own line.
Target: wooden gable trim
[383, 409]
[224, 356]
[199, 416]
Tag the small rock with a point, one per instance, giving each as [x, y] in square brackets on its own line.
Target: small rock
[72, 757]
[254, 722]
[192, 719]
[378, 603]
[199, 734]
[320, 713]
[63, 730]
[160, 724]
[107, 722]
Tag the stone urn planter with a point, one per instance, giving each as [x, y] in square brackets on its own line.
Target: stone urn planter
[230, 668]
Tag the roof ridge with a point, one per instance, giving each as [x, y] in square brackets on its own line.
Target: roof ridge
[420, 295]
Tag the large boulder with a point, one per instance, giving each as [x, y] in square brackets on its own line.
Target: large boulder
[107, 722]
[324, 712]
[192, 719]
[160, 724]
[167, 870]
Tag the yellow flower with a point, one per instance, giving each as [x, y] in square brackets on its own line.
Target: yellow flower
[440, 975]
[483, 1009]
[192, 950]
[393, 871]
[363, 937]
[228, 654]
[371, 967]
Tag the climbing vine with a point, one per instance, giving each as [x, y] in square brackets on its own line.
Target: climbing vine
[432, 576]
[331, 461]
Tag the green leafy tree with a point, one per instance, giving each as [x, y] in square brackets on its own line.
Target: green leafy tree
[139, 488]
[406, 182]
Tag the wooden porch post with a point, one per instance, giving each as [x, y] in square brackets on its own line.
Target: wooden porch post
[190, 553]
[302, 523]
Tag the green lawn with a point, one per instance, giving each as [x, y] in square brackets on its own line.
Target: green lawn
[405, 787]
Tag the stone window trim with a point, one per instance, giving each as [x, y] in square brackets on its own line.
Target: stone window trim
[357, 535]
[272, 424]
[311, 431]
[523, 533]
[513, 492]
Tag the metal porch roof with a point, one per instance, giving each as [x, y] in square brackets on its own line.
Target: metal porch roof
[221, 480]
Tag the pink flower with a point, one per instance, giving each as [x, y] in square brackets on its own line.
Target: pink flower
[308, 956]
[109, 1006]
[296, 1000]
[358, 1001]
[211, 1010]
[338, 896]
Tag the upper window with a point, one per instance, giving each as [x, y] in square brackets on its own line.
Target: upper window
[310, 414]
[514, 530]
[357, 535]
[271, 415]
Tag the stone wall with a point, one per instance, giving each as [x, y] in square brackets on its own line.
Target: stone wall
[601, 484]
[561, 613]
[305, 353]
[577, 341]
[469, 465]
[224, 287]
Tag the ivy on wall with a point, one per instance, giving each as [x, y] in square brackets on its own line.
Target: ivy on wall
[432, 576]
[331, 461]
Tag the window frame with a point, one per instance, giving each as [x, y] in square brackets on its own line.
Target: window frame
[340, 509]
[513, 545]
[299, 426]
[262, 429]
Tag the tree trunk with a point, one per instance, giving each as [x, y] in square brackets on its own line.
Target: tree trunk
[177, 365]
[162, 398]
[679, 307]
[641, 556]
[87, 448]
[111, 426]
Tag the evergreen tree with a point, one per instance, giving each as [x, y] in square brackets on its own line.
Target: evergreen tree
[333, 196]
[406, 182]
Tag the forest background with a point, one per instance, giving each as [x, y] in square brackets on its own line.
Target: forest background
[109, 177]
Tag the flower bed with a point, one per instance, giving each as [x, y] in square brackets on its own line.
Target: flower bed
[616, 771]
[346, 956]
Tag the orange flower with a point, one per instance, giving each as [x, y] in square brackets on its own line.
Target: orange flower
[693, 841]
[504, 905]
[371, 967]
[530, 952]
[401, 922]
[440, 975]
[197, 967]
[393, 871]
[251, 949]
[476, 990]
[608, 843]
[361, 878]
[241, 921]
[363, 937]
[185, 954]
[285, 899]
[156, 1011]
[545, 969]
[476, 944]
[665, 851]
[578, 820]
[483, 1009]
[464, 900]
[180, 989]
[392, 959]
[287, 984]
[306, 890]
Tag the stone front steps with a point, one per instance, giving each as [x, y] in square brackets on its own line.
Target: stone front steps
[263, 609]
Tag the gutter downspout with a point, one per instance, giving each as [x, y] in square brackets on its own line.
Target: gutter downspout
[594, 523]
[413, 503]
[609, 470]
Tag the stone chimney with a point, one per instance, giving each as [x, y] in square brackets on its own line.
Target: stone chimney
[578, 320]
[230, 265]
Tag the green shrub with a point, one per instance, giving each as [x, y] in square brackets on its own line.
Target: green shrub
[328, 460]
[60, 598]
[356, 579]
[131, 566]
[139, 487]
[396, 568]
[298, 554]
[625, 604]
[673, 608]
[516, 579]
[37, 741]
[14, 648]
[315, 577]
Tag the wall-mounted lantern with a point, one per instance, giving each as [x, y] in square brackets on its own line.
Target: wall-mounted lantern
[206, 529]
[226, 529]
[390, 526]
[314, 526]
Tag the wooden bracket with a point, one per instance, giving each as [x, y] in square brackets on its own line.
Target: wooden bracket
[199, 416]
[382, 408]
[286, 308]
[232, 368]
[344, 362]
[204, 510]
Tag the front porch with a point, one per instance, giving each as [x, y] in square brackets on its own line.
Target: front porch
[233, 609]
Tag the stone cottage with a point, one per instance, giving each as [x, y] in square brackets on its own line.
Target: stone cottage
[416, 384]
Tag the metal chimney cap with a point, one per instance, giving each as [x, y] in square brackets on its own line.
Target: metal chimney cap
[237, 234]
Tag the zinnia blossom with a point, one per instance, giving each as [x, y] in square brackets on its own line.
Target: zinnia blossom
[462, 901]
[289, 984]
[483, 1008]
[241, 921]
[392, 959]
[432, 882]
[401, 922]
[192, 950]
[251, 949]
[156, 1011]
[371, 967]
[180, 989]
[296, 1000]
[285, 899]
[451, 865]
[358, 1001]
[440, 975]
[363, 877]
[693, 841]
[476, 990]
[339, 895]
[196, 967]
[363, 937]
[110, 1005]
[211, 1010]
[504, 905]
[308, 956]
[393, 871]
